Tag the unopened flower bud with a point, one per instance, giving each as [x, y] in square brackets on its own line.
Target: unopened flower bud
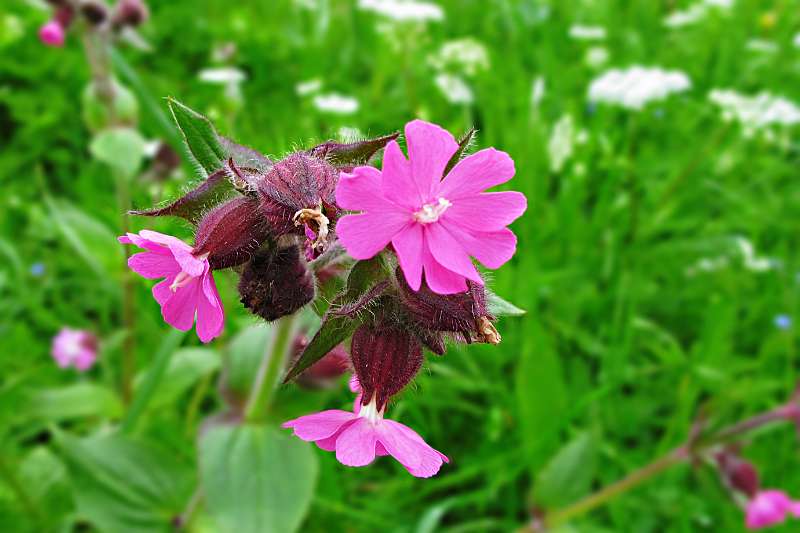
[231, 233]
[276, 283]
[129, 13]
[385, 359]
[737, 473]
[94, 11]
[52, 34]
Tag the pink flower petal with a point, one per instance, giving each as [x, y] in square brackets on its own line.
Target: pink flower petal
[767, 508]
[380, 451]
[319, 426]
[367, 234]
[439, 279]
[489, 211]
[85, 360]
[356, 445]
[492, 249]
[408, 245]
[52, 34]
[210, 316]
[132, 238]
[397, 185]
[476, 173]
[411, 451]
[161, 290]
[180, 308]
[449, 253]
[152, 265]
[430, 148]
[361, 190]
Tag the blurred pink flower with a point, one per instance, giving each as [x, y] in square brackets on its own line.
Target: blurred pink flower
[52, 33]
[770, 507]
[358, 437]
[188, 289]
[434, 224]
[74, 347]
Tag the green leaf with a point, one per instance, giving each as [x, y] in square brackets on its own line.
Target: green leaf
[568, 475]
[244, 357]
[125, 484]
[336, 328]
[193, 205]
[186, 367]
[500, 307]
[256, 478]
[119, 148]
[353, 153]
[463, 144]
[81, 400]
[200, 136]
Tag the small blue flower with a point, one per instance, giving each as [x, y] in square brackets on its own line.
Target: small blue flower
[783, 321]
[37, 270]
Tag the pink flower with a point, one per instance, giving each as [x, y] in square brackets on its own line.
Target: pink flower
[52, 33]
[74, 347]
[434, 224]
[360, 436]
[188, 289]
[770, 507]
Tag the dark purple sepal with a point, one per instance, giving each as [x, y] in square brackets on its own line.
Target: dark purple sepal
[231, 233]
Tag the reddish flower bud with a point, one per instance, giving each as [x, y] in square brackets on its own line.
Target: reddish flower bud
[231, 233]
[385, 359]
[129, 13]
[326, 370]
[737, 473]
[464, 313]
[298, 193]
[276, 283]
[94, 11]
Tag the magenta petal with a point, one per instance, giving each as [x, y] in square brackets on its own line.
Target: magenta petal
[476, 173]
[153, 265]
[430, 148]
[408, 245]
[132, 238]
[449, 253]
[767, 508]
[439, 279]
[84, 360]
[361, 190]
[411, 451]
[210, 316]
[320, 425]
[489, 211]
[492, 249]
[363, 236]
[356, 445]
[161, 290]
[380, 451]
[180, 308]
[397, 185]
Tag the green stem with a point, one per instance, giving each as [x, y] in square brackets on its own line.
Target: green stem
[152, 380]
[271, 367]
[9, 476]
[128, 295]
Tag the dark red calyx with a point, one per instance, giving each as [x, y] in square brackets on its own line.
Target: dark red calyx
[231, 233]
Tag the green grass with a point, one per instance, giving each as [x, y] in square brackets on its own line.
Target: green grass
[620, 346]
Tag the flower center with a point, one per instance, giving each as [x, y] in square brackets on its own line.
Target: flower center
[370, 411]
[180, 280]
[316, 222]
[431, 212]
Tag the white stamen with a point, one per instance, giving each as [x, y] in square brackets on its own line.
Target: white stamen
[370, 411]
[431, 212]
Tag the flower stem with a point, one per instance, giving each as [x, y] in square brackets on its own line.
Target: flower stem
[271, 367]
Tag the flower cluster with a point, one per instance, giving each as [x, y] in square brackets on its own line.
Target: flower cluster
[290, 227]
[636, 86]
[74, 348]
[126, 13]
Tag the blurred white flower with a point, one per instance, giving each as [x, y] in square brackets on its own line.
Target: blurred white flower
[454, 88]
[596, 56]
[755, 112]
[465, 55]
[537, 91]
[222, 75]
[762, 46]
[587, 33]
[336, 103]
[796, 40]
[404, 10]
[753, 262]
[694, 13]
[350, 134]
[304, 88]
[635, 86]
[560, 145]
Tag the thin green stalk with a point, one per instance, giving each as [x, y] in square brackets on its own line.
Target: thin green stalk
[271, 367]
[152, 380]
[10, 477]
[128, 295]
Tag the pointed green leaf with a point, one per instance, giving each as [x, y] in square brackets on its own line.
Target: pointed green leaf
[200, 136]
[255, 478]
[351, 154]
[500, 307]
[568, 475]
[80, 400]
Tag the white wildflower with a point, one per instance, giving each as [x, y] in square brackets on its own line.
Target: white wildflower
[796, 40]
[634, 87]
[751, 261]
[336, 103]
[454, 88]
[755, 112]
[222, 75]
[464, 55]
[537, 91]
[350, 134]
[404, 10]
[596, 56]
[304, 88]
[587, 33]
[560, 145]
[695, 12]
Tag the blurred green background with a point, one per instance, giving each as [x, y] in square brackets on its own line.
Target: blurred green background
[658, 264]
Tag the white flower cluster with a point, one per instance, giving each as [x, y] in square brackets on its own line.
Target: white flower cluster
[404, 10]
[755, 112]
[587, 33]
[695, 13]
[634, 87]
[561, 144]
[465, 55]
[742, 249]
[335, 103]
[454, 88]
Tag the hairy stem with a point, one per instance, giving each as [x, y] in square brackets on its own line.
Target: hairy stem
[271, 367]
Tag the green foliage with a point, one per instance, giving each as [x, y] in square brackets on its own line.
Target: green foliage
[200, 137]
